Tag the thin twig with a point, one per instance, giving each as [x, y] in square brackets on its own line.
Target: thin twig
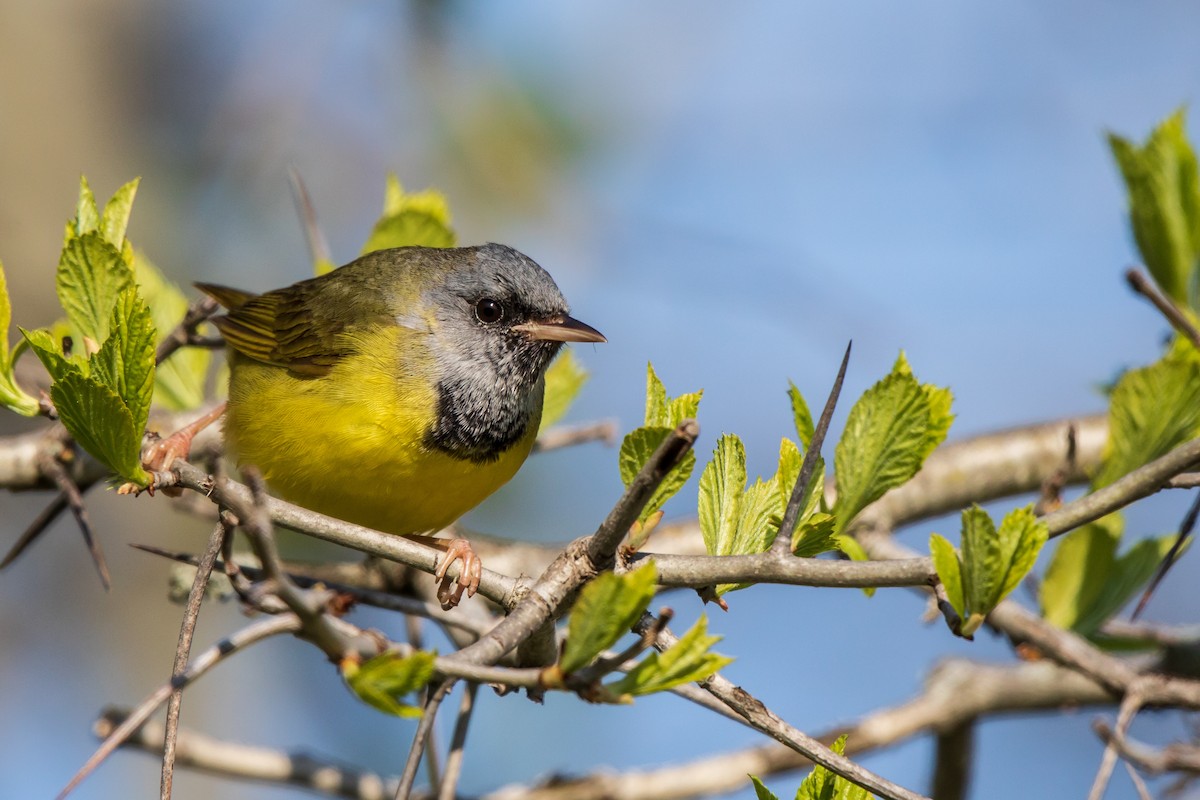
[1185, 530]
[182, 652]
[1179, 321]
[952, 761]
[185, 331]
[1050, 494]
[251, 634]
[1129, 708]
[1172, 758]
[458, 742]
[55, 470]
[1138, 784]
[41, 522]
[791, 515]
[318, 248]
[404, 790]
[570, 435]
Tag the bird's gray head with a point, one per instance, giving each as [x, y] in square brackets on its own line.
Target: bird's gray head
[500, 321]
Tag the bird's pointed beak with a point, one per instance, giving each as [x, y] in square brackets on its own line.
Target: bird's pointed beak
[560, 329]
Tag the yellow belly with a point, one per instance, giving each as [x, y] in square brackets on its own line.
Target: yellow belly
[351, 444]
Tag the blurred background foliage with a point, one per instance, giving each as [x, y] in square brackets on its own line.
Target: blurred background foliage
[731, 192]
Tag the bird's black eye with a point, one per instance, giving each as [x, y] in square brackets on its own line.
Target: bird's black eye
[489, 311]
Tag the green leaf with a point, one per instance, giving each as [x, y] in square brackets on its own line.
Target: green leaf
[721, 487]
[689, 660]
[12, 396]
[384, 680]
[87, 216]
[889, 432]
[636, 449]
[125, 362]
[179, 381]
[418, 219]
[1164, 203]
[605, 611]
[982, 567]
[1086, 584]
[116, 214]
[949, 570]
[564, 379]
[664, 411]
[91, 273]
[821, 784]
[1129, 574]
[1021, 537]
[101, 423]
[48, 349]
[801, 416]
[761, 792]
[1152, 410]
[815, 535]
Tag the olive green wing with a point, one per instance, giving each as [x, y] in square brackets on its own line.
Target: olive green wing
[301, 328]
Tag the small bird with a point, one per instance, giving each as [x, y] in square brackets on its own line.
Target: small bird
[398, 391]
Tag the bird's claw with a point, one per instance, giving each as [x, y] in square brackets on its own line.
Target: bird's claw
[449, 591]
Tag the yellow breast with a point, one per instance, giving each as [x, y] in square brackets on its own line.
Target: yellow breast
[351, 444]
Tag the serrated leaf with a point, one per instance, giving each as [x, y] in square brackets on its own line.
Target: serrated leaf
[759, 514]
[949, 570]
[821, 784]
[91, 273]
[761, 792]
[887, 435]
[100, 422]
[116, 214]
[658, 406]
[721, 487]
[1152, 410]
[801, 416]
[689, 660]
[1164, 203]
[982, 569]
[565, 377]
[384, 680]
[605, 611]
[179, 381]
[417, 219]
[125, 362]
[636, 449]
[815, 535]
[790, 463]
[87, 215]
[1021, 537]
[48, 349]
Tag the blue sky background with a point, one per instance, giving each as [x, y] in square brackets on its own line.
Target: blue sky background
[730, 192]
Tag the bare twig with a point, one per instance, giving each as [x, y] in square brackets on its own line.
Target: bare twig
[404, 790]
[67, 486]
[1179, 321]
[570, 435]
[182, 652]
[41, 522]
[952, 761]
[249, 635]
[185, 331]
[1172, 758]
[1130, 705]
[454, 760]
[318, 248]
[1185, 530]
[1050, 495]
[791, 515]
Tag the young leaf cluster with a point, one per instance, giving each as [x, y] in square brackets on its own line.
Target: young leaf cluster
[991, 564]
[386, 679]
[104, 382]
[821, 784]
[663, 414]
[605, 611]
